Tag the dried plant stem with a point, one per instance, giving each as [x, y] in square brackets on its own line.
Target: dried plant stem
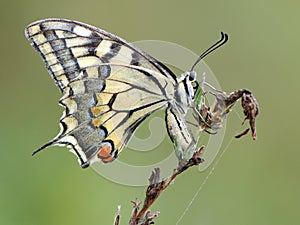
[156, 188]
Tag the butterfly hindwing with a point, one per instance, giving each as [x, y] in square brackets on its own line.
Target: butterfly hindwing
[109, 86]
[113, 113]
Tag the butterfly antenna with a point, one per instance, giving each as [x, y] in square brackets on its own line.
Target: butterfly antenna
[222, 41]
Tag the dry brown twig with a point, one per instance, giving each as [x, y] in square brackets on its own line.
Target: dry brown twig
[155, 188]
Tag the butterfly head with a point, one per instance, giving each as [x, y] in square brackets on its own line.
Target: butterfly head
[186, 89]
[191, 83]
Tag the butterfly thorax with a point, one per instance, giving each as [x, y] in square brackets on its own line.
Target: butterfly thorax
[184, 91]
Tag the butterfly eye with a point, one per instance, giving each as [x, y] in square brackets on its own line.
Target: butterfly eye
[195, 85]
[192, 76]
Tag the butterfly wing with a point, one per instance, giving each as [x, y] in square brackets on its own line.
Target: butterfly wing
[109, 86]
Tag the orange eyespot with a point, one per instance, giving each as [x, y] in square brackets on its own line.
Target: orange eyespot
[96, 122]
[104, 151]
[109, 159]
[95, 111]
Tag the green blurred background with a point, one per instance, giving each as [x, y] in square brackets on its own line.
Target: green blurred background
[254, 183]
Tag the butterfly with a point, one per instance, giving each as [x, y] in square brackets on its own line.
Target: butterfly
[109, 87]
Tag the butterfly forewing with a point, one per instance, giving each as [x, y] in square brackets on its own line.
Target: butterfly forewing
[67, 47]
[109, 86]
